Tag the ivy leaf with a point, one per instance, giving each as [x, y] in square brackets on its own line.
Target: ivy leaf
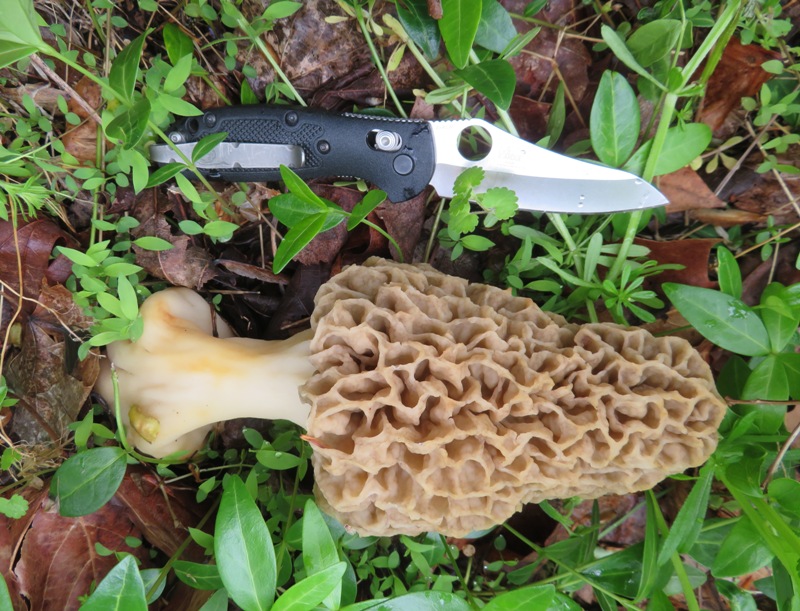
[495, 29]
[296, 239]
[122, 588]
[614, 121]
[459, 25]
[371, 200]
[421, 27]
[125, 69]
[494, 78]
[87, 481]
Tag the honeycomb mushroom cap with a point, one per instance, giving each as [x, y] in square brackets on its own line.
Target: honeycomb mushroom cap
[444, 406]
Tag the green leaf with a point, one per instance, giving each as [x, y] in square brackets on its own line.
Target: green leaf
[740, 600]
[618, 572]
[620, 49]
[361, 210]
[140, 169]
[177, 43]
[495, 28]
[178, 106]
[682, 145]
[689, 521]
[164, 173]
[281, 9]
[743, 551]
[728, 273]
[296, 239]
[125, 69]
[791, 363]
[178, 74]
[494, 78]
[614, 121]
[296, 185]
[87, 481]
[278, 461]
[523, 599]
[459, 25]
[768, 382]
[77, 257]
[726, 321]
[786, 493]
[468, 180]
[649, 574]
[557, 116]
[319, 549]
[654, 41]
[122, 588]
[188, 189]
[290, 209]
[129, 126]
[429, 600]
[243, 548]
[218, 602]
[420, 26]
[206, 145]
[312, 590]
[19, 32]
[14, 507]
[198, 576]
[500, 201]
[780, 318]
[129, 304]
[476, 243]
[148, 242]
[5, 596]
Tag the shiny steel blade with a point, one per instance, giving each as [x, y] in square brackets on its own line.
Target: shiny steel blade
[234, 155]
[543, 180]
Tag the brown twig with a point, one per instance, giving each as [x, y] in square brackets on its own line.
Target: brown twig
[43, 67]
[779, 458]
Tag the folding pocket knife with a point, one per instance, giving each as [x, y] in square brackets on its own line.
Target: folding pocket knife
[399, 156]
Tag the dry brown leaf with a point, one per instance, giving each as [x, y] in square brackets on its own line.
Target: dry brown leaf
[739, 74]
[729, 217]
[694, 255]
[685, 190]
[58, 559]
[81, 140]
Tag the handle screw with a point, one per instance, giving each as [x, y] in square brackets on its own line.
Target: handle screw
[323, 146]
[210, 119]
[291, 118]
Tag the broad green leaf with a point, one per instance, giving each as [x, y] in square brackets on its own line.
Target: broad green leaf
[125, 69]
[476, 243]
[278, 461]
[312, 590]
[140, 169]
[153, 243]
[129, 126]
[198, 576]
[740, 600]
[743, 551]
[724, 320]
[523, 599]
[780, 318]
[618, 572]
[620, 49]
[614, 121]
[5, 596]
[290, 209]
[129, 304]
[121, 589]
[494, 78]
[495, 28]
[791, 363]
[500, 201]
[689, 521]
[299, 188]
[296, 239]
[371, 200]
[682, 145]
[728, 273]
[420, 26]
[768, 381]
[87, 481]
[319, 550]
[243, 549]
[164, 173]
[706, 547]
[429, 600]
[649, 574]
[459, 25]
[206, 145]
[178, 74]
[178, 106]
[188, 189]
[654, 40]
[177, 44]
[19, 32]
[77, 257]
[218, 602]
[281, 9]
[786, 492]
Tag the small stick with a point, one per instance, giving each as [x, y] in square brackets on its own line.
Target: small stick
[37, 61]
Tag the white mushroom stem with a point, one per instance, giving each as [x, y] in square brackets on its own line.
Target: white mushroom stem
[178, 379]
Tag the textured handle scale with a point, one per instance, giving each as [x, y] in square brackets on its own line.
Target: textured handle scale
[334, 145]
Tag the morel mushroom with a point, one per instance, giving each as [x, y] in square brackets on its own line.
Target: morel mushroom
[442, 405]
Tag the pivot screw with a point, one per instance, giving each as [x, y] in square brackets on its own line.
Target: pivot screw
[176, 137]
[388, 141]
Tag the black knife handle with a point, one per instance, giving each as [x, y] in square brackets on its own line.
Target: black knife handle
[334, 145]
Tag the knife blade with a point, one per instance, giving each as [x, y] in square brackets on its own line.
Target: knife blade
[399, 156]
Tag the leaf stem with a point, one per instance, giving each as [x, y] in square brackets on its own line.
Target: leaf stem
[378, 63]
